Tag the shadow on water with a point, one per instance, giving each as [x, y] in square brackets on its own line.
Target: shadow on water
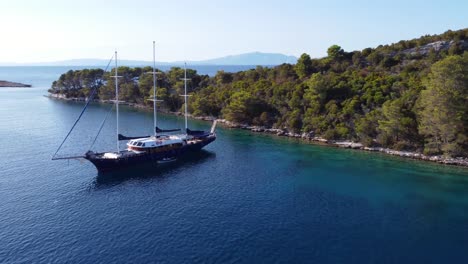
[150, 171]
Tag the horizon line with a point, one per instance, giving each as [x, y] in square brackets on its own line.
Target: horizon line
[8, 63]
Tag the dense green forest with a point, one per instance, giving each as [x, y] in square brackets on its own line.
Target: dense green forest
[410, 95]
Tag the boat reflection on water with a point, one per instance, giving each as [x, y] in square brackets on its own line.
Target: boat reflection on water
[149, 170]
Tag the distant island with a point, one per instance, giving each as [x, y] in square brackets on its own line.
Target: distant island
[252, 58]
[408, 96]
[13, 84]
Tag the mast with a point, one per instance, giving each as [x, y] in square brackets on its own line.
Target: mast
[117, 100]
[116, 76]
[154, 98]
[185, 95]
[154, 90]
[185, 79]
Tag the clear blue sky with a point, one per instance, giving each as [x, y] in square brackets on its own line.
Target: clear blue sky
[50, 30]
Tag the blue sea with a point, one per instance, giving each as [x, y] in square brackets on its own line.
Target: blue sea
[247, 198]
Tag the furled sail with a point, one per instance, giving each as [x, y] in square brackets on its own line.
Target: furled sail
[122, 137]
[158, 130]
[197, 133]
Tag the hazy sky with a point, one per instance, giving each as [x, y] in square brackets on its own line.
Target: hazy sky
[48, 30]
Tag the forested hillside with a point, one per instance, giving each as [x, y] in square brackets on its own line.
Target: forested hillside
[409, 95]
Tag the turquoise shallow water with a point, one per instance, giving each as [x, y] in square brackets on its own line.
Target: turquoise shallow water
[247, 198]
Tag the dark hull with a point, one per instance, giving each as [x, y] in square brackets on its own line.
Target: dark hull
[131, 159]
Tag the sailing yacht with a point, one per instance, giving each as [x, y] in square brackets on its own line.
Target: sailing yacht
[160, 147]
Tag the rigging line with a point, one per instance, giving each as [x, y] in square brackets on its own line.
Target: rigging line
[90, 98]
[102, 125]
[76, 122]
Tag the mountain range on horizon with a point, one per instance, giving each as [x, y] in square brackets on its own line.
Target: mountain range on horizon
[252, 58]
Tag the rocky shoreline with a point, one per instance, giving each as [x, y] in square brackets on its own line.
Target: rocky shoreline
[309, 137]
[306, 137]
[13, 84]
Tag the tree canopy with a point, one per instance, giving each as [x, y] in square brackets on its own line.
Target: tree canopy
[444, 107]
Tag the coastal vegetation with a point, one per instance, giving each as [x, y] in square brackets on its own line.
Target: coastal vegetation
[410, 95]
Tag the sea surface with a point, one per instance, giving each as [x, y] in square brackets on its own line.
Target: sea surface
[247, 198]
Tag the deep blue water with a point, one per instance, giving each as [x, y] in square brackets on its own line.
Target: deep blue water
[248, 198]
